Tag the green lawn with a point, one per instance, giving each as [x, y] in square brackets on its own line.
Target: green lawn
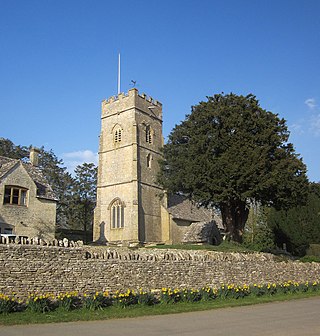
[223, 247]
[113, 312]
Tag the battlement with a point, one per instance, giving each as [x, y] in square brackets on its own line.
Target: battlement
[132, 93]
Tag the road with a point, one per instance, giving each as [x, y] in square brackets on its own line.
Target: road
[299, 317]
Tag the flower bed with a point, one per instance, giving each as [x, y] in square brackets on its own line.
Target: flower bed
[43, 303]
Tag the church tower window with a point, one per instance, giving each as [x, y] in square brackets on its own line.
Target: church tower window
[149, 160]
[148, 134]
[117, 214]
[117, 137]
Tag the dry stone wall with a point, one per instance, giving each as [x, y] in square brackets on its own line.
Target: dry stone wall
[54, 269]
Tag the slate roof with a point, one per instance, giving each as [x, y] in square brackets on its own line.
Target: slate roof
[181, 207]
[44, 188]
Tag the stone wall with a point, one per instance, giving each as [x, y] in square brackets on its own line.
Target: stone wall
[53, 269]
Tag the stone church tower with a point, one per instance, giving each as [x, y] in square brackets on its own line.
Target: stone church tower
[128, 206]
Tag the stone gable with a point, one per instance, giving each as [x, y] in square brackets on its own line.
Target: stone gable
[37, 215]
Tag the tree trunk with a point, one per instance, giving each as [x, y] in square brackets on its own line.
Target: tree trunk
[234, 217]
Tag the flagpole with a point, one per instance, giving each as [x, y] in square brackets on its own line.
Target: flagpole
[119, 74]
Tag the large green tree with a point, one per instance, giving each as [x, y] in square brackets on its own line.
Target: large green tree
[61, 181]
[299, 226]
[228, 152]
[9, 149]
[257, 234]
[84, 197]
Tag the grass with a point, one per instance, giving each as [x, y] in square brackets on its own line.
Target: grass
[113, 312]
[225, 246]
[310, 258]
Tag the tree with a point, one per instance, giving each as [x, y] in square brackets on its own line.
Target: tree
[228, 152]
[257, 234]
[84, 196]
[60, 180]
[299, 226]
[9, 149]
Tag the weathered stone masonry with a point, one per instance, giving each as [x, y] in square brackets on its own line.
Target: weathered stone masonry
[28, 268]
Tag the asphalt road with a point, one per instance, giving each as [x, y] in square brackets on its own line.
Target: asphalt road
[299, 317]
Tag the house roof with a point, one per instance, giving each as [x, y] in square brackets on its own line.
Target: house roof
[44, 188]
[181, 207]
[6, 165]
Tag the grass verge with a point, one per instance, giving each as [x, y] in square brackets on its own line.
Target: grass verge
[225, 246]
[60, 315]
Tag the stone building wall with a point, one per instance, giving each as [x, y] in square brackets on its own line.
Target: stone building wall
[53, 269]
[37, 218]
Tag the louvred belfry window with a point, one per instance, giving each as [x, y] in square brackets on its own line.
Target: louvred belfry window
[117, 135]
[148, 134]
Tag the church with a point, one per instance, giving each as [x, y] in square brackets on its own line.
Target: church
[130, 209]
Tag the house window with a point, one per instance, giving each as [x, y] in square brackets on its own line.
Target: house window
[148, 134]
[117, 214]
[117, 135]
[15, 195]
[8, 231]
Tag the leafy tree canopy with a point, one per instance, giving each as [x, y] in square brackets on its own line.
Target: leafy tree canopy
[228, 152]
[299, 226]
[9, 149]
[84, 196]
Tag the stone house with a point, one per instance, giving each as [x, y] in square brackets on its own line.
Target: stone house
[129, 209]
[27, 201]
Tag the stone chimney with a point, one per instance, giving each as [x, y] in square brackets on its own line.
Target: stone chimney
[34, 156]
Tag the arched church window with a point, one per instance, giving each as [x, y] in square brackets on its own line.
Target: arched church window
[148, 134]
[117, 214]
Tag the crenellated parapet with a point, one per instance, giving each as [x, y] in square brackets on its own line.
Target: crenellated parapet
[132, 99]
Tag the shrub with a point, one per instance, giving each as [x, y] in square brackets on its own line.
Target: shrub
[313, 250]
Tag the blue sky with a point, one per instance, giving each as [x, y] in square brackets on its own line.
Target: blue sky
[58, 60]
